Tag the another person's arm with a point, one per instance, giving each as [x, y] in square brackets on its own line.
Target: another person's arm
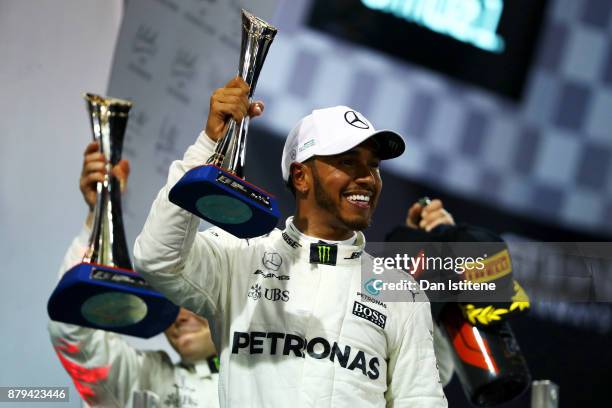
[104, 368]
[192, 270]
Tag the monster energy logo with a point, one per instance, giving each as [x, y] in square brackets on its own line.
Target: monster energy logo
[323, 254]
[213, 364]
[324, 251]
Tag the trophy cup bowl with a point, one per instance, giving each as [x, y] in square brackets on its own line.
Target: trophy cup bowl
[217, 191]
[103, 291]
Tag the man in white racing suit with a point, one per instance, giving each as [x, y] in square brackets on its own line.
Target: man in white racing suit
[286, 309]
[105, 369]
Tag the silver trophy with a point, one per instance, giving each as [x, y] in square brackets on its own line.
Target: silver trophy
[217, 192]
[107, 244]
[103, 291]
[257, 36]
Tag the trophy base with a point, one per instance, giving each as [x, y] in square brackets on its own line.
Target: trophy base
[226, 201]
[112, 299]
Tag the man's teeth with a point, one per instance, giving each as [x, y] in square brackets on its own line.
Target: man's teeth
[358, 197]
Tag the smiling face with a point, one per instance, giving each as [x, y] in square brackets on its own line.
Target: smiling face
[342, 190]
[190, 336]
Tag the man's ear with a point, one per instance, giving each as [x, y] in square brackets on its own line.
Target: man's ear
[301, 177]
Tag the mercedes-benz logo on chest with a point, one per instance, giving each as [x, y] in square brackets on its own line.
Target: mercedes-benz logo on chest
[272, 261]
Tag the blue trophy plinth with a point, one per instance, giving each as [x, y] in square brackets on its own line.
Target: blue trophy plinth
[227, 201]
[107, 298]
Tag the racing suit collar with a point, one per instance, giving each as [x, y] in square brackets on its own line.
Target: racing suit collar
[296, 241]
[201, 368]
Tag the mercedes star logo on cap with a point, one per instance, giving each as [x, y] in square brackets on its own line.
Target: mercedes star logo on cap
[353, 119]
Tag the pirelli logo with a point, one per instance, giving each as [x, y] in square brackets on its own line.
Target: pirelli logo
[495, 267]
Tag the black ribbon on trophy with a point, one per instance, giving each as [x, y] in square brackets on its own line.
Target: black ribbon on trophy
[103, 291]
[217, 191]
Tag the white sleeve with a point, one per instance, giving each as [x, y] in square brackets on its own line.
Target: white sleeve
[412, 374]
[444, 356]
[191, 269]
[75, 251]
[104, 368]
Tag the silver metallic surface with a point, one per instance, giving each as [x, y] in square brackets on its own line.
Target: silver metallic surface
[544, 394]
[107, 244]
[257, 36]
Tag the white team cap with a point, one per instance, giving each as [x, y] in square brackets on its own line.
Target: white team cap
[330, 131]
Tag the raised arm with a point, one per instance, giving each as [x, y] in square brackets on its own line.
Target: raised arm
[191, 270]
[104, 368]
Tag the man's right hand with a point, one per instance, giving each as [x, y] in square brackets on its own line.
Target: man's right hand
[428, 217]
[94, 169]
[230, 102]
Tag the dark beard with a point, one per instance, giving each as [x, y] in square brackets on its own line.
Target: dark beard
[324, 201]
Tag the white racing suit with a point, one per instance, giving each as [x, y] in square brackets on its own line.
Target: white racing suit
[106, 370]
[290, 320]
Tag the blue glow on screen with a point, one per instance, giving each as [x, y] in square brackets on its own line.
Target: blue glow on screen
[473, 22]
